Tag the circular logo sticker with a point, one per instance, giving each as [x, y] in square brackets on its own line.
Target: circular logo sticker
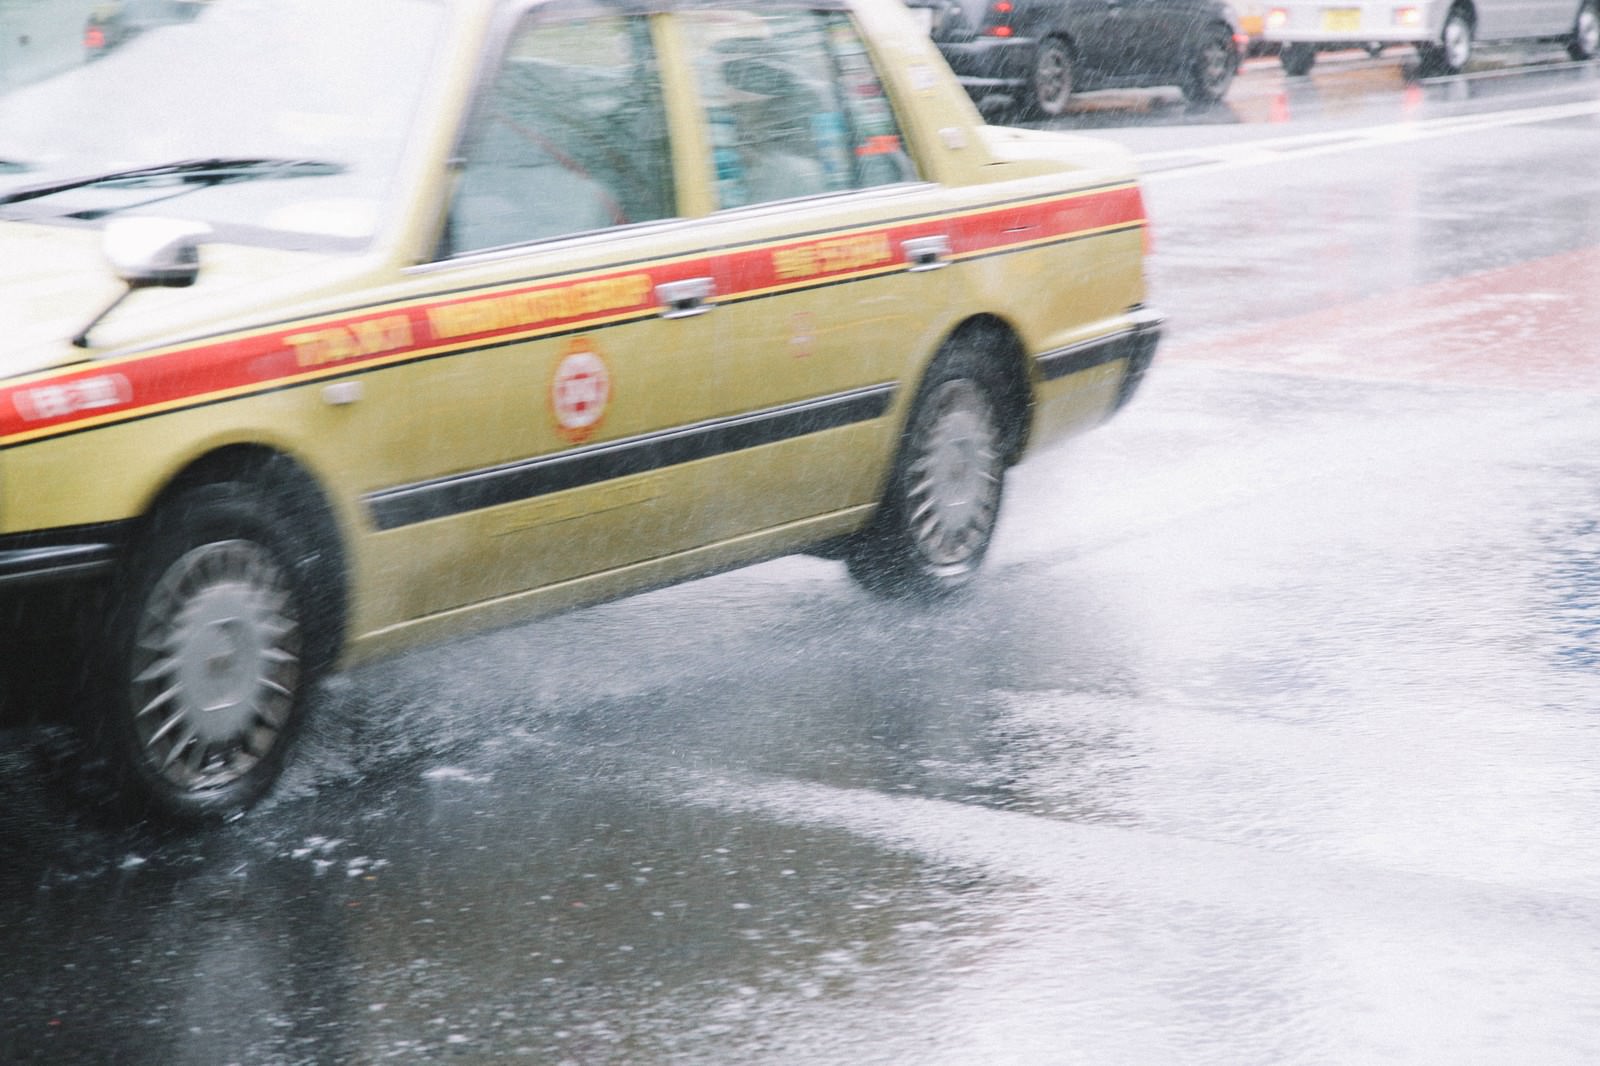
[580, 391]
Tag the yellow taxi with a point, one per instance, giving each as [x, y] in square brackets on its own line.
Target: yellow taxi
[332, 326]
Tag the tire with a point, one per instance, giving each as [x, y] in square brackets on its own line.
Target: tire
[938, 512]
[1297, 59]
[1453, 49]
[203, 675]
[1585, 42]
[1050, 87]
[1211, 69]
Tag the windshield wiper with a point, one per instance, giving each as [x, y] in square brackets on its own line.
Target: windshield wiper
[188, 171]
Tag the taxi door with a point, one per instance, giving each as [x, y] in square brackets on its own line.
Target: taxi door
[830, 242]
[568, 292]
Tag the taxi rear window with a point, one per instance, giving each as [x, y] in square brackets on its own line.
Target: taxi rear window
[794, 105]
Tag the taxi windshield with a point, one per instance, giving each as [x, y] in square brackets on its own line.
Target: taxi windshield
[325, 92]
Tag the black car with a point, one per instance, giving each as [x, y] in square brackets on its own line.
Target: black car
[119, 21]
[1038, 53]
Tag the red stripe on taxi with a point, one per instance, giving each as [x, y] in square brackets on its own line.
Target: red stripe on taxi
[127, 387]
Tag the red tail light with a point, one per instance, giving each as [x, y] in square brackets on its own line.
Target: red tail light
[94, 38]
[997, 23]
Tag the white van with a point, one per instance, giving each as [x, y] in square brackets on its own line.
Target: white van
[1444, 31]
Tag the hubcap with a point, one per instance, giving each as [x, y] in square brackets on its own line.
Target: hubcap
[954, 477]
[1589, 31]
[1214, 65]
[217, 662]
[1457, 42]
[1053, 80]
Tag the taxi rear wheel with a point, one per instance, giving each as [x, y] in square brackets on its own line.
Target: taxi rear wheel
[937, 516]
[203, 675]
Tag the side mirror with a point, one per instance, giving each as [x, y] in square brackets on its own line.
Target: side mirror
[154, 252]
[149, 253]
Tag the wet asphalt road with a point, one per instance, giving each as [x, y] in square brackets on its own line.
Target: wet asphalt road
[1269, 737]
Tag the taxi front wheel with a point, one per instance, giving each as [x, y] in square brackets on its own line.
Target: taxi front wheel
[938, 513]
[202, 677]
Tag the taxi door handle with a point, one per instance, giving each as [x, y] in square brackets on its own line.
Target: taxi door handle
[927, 253]
[686, 298]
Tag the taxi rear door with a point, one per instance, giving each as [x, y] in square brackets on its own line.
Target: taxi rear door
[833, 249]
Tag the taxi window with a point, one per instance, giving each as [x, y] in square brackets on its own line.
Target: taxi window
[569, 137]
[794, 105]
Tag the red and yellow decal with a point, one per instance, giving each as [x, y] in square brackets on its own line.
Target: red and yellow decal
[984, 231]
[558, 305]
[580, 390]
[837, 255]
[338, 344]
[64, 399]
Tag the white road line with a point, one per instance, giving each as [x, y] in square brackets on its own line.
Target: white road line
[1187, 162]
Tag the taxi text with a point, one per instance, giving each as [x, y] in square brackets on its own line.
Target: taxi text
[72, 397]
[832, 256]
[496, 313]
[335, 344]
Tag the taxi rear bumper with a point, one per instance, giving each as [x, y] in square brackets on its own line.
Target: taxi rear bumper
[1141, 349]
[1136, 343]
